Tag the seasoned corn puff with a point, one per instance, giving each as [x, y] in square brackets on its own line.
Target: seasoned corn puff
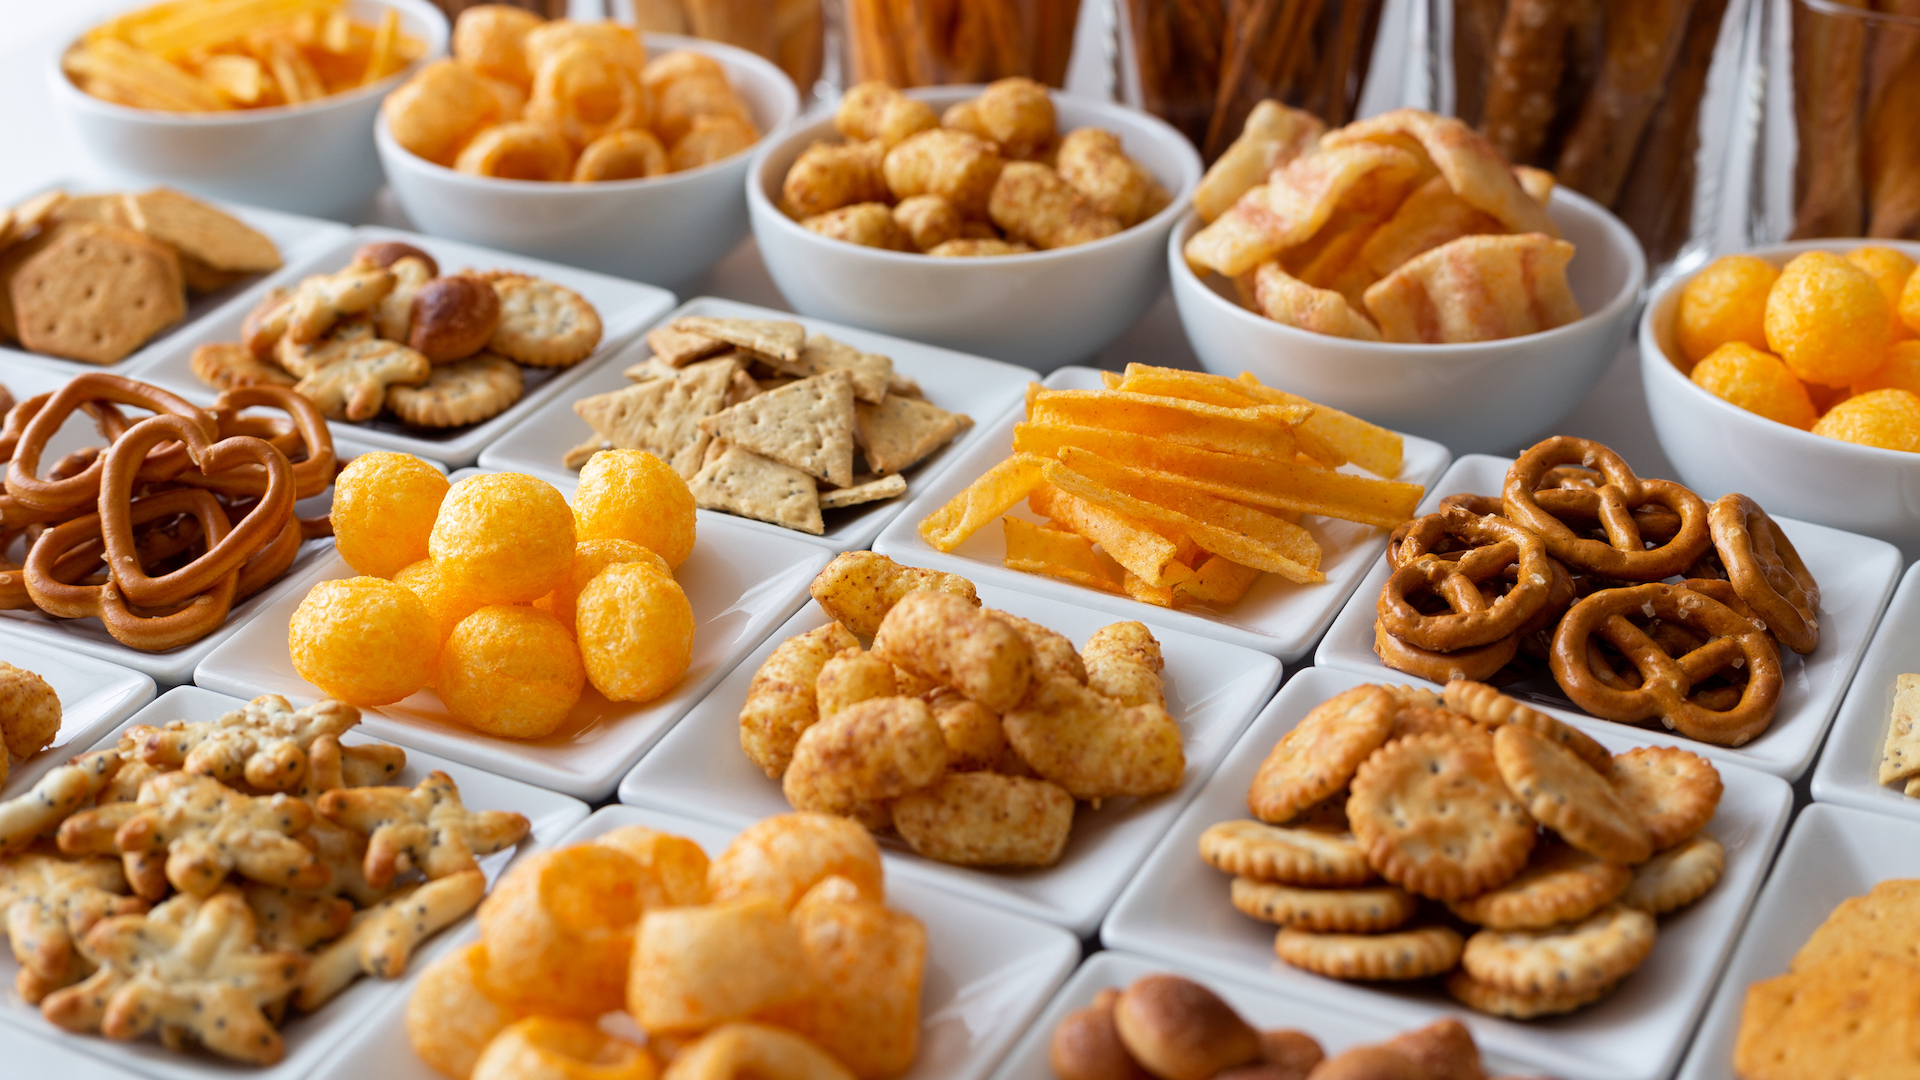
[979, 249]
[1092, 161]
[1018, 114]
[975, 742]
[927, 220]
[1094, 746]
[871, 751]
[945, 638]
[1032, 203]
[828, 177]
[858, 588]
[869, 224]
[780, 701]
[1053, 653]
[960, 168]
[1123, 662]
[852, 676]
[874, 110]
[985, 819]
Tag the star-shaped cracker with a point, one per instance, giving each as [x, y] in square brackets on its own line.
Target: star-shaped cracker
[209, 830]
[41, 809]
[383, 937]
[47, 904]
[425, 827]
[285, 919]
[265, 743]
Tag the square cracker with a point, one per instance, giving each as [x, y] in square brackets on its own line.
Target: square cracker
[213, 236]
[678, 348]
[1886, 920]
[778, 339]
[872, 491]
[741, 482]
[900, 431]
[1856, 1015]
[662, 416]
[1901, 757]
[872, 373]
[807, 425]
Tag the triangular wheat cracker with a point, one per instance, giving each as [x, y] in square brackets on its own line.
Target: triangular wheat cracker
[662, 416]
[780, 340]
[872, 491]
[808, 425]
[901, 430]
[678, 348]
[872, 373]
[1901, 758]
[744, 483]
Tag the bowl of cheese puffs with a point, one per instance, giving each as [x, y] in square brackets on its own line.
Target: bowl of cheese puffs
[1006, 220]
[586, 143]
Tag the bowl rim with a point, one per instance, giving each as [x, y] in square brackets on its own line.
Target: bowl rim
[763, 207]
[438, 33]
[788, 107]
[1654, 358]
[1629, 294]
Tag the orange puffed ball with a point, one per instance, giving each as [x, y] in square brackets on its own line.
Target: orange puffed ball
[632, 495]
[1890, 270]
[1910, 302]
[589, 558]
[503, 538]
[363, 640]
[1828, 320]
[446, 604]
[636, 632]
[511, 671]
[384, 505]
[1726, 301]
[1757, 382]
[1900, 372]
[1889, 419]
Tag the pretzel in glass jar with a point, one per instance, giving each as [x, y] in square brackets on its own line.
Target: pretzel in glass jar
[1766, 571]
[1624, 554]
[1492, 546]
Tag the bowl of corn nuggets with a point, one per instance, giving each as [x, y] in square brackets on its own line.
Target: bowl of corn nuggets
[1006, 220]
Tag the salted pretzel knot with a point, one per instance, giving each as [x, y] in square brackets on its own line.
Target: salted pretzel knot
[1493, 545]
[1625, 554]
[308, 432]
[1733, 642]
[1477, 663]
[23, 480]
[1766, 571]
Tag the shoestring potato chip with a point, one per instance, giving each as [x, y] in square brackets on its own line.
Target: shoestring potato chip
[223, 55]
[527, 99]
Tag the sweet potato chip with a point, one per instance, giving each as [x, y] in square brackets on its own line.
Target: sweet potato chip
[993, 494]
[1069, 556]
[1134, 544]
[1219, 581]
[1299, 199]
[1471, 165]
[1286, 299]
[1431, 216]
[1477, 288]
[1261, 430]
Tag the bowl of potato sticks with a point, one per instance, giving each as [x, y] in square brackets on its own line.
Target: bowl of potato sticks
[1002, 220]
[1400, 269]
[1792, 374]
[585, 143]
[266, 102]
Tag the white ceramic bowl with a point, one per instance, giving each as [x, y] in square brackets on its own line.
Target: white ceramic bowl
[664, 230]
[1482, 397]
[306, 159]
[1719, 447]
[1040, 310]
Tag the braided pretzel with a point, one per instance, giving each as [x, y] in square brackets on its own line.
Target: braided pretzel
[1624, 554]
[1472, 620]
[1478, 663]
[1766, 571]
[32, 492]
[1666, 681]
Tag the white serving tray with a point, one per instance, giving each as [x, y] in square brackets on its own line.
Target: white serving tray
[94, 697]
[624, 307]
[1849, 769]
[1177, 909]
[742, 583]
[1213, 690]
[1856, 575]
[988, 972]
[1276, 616]
[347, 1016]
[983, 389]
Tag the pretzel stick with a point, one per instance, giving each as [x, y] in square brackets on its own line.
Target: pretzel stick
[1476, 38]
[1351, 49]
[1828, 55]
[1894, 44]
[1521, 93]
[1009, 47]
[1893, 158]
[1643, 38]
[1657, 203]
[1053, 25]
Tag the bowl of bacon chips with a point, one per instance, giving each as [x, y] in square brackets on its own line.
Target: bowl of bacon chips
[1400, 269]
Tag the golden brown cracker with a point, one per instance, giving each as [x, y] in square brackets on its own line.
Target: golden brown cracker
[1885, 920]
[807, 425]
[1900, 758]
[741, 482]
[463, 392]
[228, 366]
[1559, 884]
[1434, 817]
[779, 339]
[543, 324]
[1340, 911]
[1402, 954]
[199, 231]
[1677, 876]
[1493, 708]
[1497, 1001]
[1320, 754]
[96, 293]
[677, 348]
[1856, 1015]
[901, 431]
[1567, 796]
[1674, 792]
[1591, 953]
[1262, 852]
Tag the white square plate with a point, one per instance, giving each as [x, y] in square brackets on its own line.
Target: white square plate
[1833, 853]
[741, 583]
[983, 389]
[1856, 575]
[1213, 690]
[1276, 616]
[1177, 909]
[94, 697]
[624, 307]
[988, 972]
[1849, 769]
[32, 1056]
[295, 235]
[309, 1037]
[1335, 1031]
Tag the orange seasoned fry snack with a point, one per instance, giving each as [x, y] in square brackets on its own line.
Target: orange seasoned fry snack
[997, 490]
[1138, 546]
[1059, 553]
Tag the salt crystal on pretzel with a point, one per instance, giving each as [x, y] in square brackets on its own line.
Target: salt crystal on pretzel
[1300, 198]
[1477, 288]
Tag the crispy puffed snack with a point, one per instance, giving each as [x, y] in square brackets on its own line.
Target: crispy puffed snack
[635, 629]
[738, 1049]
[868, 752]
[674, 868]
[875, 110]
[29, 713]
[986, 819]
[1477, 288]
[363, 640]
[382, 938]
[851, 677]
[1123, 662]
[979, 248]
[954, 165]
[1092, 160]
[1827, 319]
[47, 905]
[946, 638]
[209, 830]
[781, 701]
[696, 967]
[1094, 746]
[975, 738]
[927, 220]
[828, 176]
[541, 1046]
[869, 224]
[450, 1014]
[263, 743]
[867, 963]
[558, 929]
[424, 827]
[434, 113]
[783, 856]
[859, 588]
[1032, 203]
[1272, 136]
[1725, 302]
[1296, 201]
[1286, 299]
[1053, 652]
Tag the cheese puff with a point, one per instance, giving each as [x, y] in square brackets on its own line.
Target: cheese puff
[1827, 319]
[504, 538]
[946, 639]
[757, 1051]
[621, 155]
[868, 964]
[1889, 419]
[985, 819]
[519, 151]
[1900, 372]
[589, 558]
[678, 64]
[674, 868]
[636, 632]
[927, 220]
[1018, 114]
[711, 139]
[869, 224]
[974, 739]
[1032, 203]
[364, 641]
[618, 43]
[781, 701]
[965, 116]
[695, 967]
[435, 113]
[1757, 382]
[1093, 746]
[1890, 270]
[1910, 302]
[683, 99]
[958, 167]
[781, 857]
[511, 671]
[1092, 161]
[550, 1048]
[446, 603]
[1124, 663]
[827, 177]
[511, 99]
[1053, 652]
[852, 676]
[874, 110]
[384, 505]
[491, 39]
[858, 588]
[868, 752]
[1725, 301]
[558, 928]
[633, 495]
[583, 92]
[450, 1015]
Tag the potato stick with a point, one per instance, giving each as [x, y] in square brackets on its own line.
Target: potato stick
[1036, 549]
[237, 78]
[1134, 544]
[122, 26]
[144, 76]
[1157, 595]
[1188, 385]
[993, 494]
[1172, 493]
[1111, 380]
[1219, 581]
[1258, 431]
[291, 71]
[206, 25]
[1378, 450]
[380, 58]
[1274, 484]
[336, 34]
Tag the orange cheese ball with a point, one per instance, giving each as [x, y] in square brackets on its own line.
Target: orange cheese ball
[1900, 372]
[1890, 270]
[1826, 397]
[511, 671]
[1889, 419]
[1910, 302]
[503, 538]
[365, 641]
[636, 632]
[589, 558]
[1727, 301]
[445, 603]
[632, 495]
[1757, 382]
[1828, 320]
[383, 508]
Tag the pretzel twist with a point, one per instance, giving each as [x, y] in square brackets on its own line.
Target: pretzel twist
[1495, 545]
[1766, 571]
[1624, 554]
[101, 391]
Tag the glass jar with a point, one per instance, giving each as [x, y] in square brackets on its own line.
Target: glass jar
[934, 42]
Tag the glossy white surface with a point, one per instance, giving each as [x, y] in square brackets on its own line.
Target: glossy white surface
[1042, 309]
[94, 697]
[1177, 909]
[1849, 768]
[665, 230]
[1477, 397]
